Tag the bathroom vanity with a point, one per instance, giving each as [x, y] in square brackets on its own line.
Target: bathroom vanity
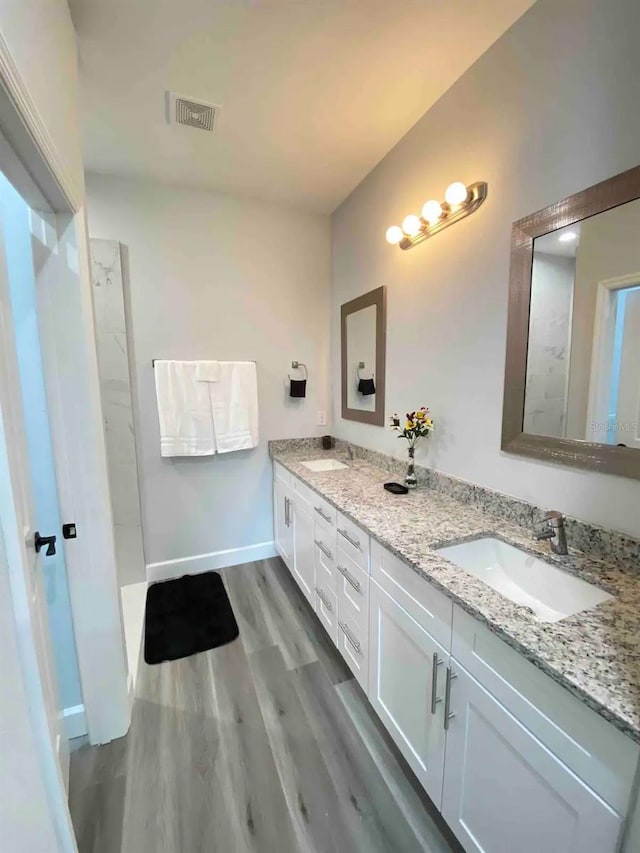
[523, 730]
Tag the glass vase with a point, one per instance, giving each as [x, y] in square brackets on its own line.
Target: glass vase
[411, 481]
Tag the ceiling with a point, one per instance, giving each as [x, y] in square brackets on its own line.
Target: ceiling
[563, 242]
[313, 92]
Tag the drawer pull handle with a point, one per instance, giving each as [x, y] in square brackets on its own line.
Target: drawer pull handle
[324, 549]
[346, 536]
[448, 715]
[434, 682]
[323, 514]
[351, 639]
[345, 574]
[323, 599]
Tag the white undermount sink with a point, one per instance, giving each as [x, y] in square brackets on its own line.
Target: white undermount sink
[323, 465]
[551, 593]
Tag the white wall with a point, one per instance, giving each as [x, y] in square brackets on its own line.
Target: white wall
[550, 109]
[216, 277]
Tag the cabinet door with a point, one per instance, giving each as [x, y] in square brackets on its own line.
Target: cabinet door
[303, 551]
[283, 521]
[504, 791]
[406, 687]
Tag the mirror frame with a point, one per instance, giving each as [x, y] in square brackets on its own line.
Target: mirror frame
[623, 461]
[377, 298]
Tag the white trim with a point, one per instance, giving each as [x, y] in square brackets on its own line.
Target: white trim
[208, 562]
[24, 105]
[75, 721]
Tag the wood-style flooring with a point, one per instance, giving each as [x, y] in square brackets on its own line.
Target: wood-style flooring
[265, 745]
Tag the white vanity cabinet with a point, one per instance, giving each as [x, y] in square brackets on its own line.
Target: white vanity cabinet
[504, 790]
[406, 687]
[511, 758]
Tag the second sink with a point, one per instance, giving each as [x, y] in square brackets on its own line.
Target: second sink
[551, 593]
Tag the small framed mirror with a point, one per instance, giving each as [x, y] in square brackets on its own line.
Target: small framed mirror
[363, 343]
[572, 377]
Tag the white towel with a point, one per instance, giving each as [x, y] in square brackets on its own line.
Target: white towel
[234, 403]
[184, 410]
[207, 371]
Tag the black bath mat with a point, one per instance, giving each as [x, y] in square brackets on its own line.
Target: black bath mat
[187, 615]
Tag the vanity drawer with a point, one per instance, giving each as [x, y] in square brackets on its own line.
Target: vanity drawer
[353, 540]
[327, 609]
[353, 645]
[597, 752]
[431, 609]
[352, 584]
[325, 555]
[324, 510]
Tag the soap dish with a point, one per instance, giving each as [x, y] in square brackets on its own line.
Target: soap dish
[396, 488]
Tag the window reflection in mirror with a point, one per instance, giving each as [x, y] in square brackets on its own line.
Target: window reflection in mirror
[583, 362]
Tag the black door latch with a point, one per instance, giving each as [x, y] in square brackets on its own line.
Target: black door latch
[41, 541]
[69, 531]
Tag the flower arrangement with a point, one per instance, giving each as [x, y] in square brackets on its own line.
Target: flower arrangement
[418, 424]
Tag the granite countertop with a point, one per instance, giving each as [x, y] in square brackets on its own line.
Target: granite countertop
[594, 654]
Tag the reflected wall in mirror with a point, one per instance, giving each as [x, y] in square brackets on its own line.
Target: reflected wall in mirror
[363, 325]
[583, 364]
[572, 381]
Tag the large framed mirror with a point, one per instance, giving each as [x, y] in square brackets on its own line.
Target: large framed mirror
[363, 344]
[572, 377]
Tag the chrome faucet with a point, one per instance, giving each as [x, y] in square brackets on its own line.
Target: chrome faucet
[552, 528]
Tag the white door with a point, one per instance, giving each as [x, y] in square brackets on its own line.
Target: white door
[283, 521]
[28, 441]
[628, 406]
[303, 551]
[406, 687]
[505, 792]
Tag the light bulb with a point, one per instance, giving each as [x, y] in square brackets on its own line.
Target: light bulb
[411, 225]
[432, 211]
[456, 193]
[394, 235]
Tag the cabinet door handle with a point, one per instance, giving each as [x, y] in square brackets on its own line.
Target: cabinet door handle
[323, 514]
[345, 574]
[351, 541]
[350, 638]
[286, 511]
[322, 598]
[434, 682]
[324, 549]
[447, 698]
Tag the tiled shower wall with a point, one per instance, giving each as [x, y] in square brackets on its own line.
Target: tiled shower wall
[117, 407]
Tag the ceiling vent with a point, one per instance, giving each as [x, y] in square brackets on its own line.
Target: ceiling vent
[192, 113]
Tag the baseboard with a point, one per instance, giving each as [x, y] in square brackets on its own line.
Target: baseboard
[75, 722]
[208, 562]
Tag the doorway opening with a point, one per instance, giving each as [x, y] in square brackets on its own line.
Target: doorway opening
[614, 393]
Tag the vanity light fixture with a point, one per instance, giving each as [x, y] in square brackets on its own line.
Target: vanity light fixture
[460, 201]
[567, 237]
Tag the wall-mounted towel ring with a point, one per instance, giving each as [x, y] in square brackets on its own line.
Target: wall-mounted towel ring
[366, 387]
[298, 387]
